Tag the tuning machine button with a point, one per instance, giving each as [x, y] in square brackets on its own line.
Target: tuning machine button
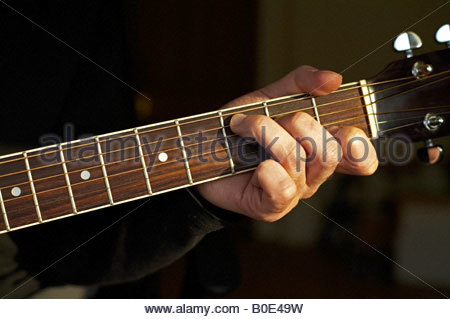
[406, 42]
[430, 153]
[420, 69]
[443, 34]
[433, 122]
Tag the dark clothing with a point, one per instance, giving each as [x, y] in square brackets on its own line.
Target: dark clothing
[45, 84]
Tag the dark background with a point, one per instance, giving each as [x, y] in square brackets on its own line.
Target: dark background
[194, 56]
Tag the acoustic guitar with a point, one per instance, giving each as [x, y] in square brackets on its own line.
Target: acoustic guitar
[409, 97]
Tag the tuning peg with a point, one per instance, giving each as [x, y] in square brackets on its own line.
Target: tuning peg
[430, 154]
[443, 34]
[407, 41]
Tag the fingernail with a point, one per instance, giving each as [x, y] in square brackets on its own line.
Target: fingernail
[237, 119]
[332, 73]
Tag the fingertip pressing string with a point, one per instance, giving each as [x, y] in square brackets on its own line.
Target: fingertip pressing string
[233, 135]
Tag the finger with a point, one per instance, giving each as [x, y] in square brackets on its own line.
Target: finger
[322, 150]
[359, 155]
[279, 192]
[275, 139]
[305, 79]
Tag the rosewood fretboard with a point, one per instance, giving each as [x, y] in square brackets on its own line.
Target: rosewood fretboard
[63, 180]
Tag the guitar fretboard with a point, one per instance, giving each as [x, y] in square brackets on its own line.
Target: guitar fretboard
[71, 178]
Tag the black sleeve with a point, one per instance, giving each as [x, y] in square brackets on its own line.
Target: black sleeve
[117, 244]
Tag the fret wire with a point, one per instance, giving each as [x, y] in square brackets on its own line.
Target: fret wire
[207, 153]
[316, 111]
[243, 170]
[141, 155]
[55, 218]
[324, 104]
[5, 216]
[128, 200]
[164, 191]
[222, 123]
[286, 113]
[155, 192]
[66, 176]
[266, 110]
[167, 139]
[183, 151]
[276, 99]
[117, 174]
[33, 191]
[125, 172]
[105, 174]
[230, 108]
[180, 134]
[299, 96]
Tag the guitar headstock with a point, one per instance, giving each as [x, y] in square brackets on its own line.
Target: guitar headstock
[412, 96]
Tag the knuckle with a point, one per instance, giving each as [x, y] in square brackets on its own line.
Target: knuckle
[285, 195]
[282, 198]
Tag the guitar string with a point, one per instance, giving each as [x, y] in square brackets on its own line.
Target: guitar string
[246, 110]
[391, 112]
[225, 149]
[376, 101]
[132, 182]
[208, 140]
[197, 144]
[242, 168]
[124, 184]
[60, 162]
[145, 144]
[428, 83]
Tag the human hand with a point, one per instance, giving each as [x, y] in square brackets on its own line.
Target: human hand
[277, 185]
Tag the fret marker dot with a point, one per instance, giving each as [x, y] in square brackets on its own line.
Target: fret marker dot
[163, 157]
[16, 191]
[85, 175]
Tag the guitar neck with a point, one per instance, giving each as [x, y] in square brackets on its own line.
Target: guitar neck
[71, 178]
